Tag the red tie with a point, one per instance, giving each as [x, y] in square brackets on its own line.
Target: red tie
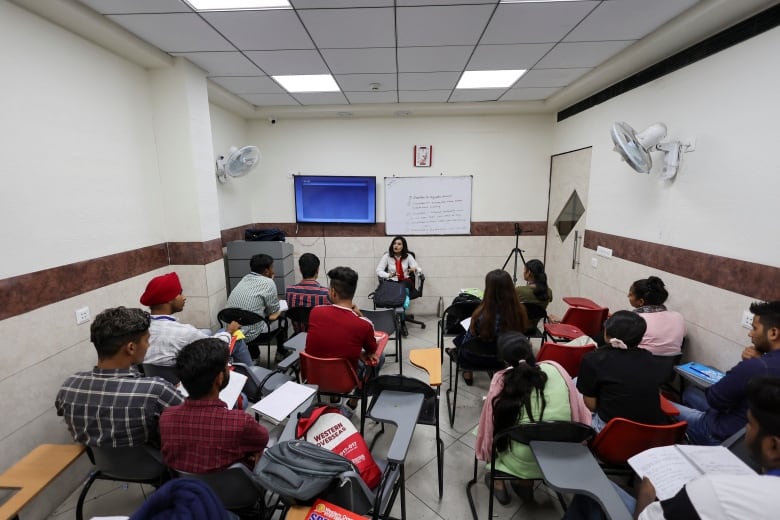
[399, 270]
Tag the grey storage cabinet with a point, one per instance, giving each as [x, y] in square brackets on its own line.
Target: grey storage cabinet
[240, 252]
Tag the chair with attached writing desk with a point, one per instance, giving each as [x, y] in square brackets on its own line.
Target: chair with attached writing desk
[524, 433]
[474, 349]
[138, 464]
[449, 324]
[569, 357]
[299, 317]
[576, 322]
[244, 317]
[236, 488]
[386, 320]
[167, 372]
[334, 377]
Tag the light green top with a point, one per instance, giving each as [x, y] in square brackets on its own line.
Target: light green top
[518, 460]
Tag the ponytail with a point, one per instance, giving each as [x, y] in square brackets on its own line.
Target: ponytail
[536, 268]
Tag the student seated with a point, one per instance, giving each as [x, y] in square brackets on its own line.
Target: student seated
[164, 297]
[727, 497]
[665, 328]
[522, 393]
[721, 411]
[340, 330]
[535, 289]
[308, 292]
[113, 404]
[619, 379]
[499, 312]
[203, 435]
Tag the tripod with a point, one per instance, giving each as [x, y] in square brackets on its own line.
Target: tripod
[516, 251]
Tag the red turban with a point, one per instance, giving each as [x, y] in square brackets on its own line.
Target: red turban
[161, 289]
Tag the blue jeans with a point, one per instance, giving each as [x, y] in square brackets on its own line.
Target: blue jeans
[597, 423]
[583, 507]
[693, 411]
[241, 353]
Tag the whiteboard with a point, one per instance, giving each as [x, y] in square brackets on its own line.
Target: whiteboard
[428, 205]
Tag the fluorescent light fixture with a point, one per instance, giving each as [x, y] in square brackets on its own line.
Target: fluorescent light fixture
[308, 83]
[234, 5]
[533, 1]
[489, 78]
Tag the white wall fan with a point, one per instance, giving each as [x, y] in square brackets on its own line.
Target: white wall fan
[238, 162]
[635, 147]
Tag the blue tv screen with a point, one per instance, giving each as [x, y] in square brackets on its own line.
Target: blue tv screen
[335, 199]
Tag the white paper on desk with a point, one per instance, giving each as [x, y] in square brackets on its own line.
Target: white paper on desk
[229, 394]
[280, 403]
[283, 305]
[466, 323]
[669, 468]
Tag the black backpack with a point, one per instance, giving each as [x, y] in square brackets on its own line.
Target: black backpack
[269, 234]
[453, 326]
[389, 293]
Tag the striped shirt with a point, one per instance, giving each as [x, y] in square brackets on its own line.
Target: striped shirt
[167, 337]
[255, 293]
[114, 407]
[306, 293]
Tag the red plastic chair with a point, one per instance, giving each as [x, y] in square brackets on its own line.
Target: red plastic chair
[568, 357]
[578, 321]
[333, 376]
[621, 439]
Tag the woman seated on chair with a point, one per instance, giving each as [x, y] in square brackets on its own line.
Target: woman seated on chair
[399, 264]
[523, 393]
[619, 380]
[665, 328]
[535, 289]
[499, 312]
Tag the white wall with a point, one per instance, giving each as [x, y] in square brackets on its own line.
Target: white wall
[507, 155]
[79, 159]
[228, 130]
[723, 202]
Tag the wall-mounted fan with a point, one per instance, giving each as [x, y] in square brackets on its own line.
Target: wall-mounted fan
[238, 162]
[635, 147]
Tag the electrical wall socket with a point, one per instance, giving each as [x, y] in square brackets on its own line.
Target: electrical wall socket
[594, 262]
[604, 251]
[747, 320]
[82, 315]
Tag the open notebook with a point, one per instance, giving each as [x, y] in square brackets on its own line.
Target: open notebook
[229, 394]
[280, 403]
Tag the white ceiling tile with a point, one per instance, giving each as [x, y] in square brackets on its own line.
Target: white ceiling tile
[353, 61]
[276, 63]
[350, 28]
[270, 99]
[249, 84]
[321, 98]
[508, 57]
[423, 96]
[180, 32]
[627, 19]
[372, 97]
[261, 30]
[582, 54]
[476, 94]
[535, 22]
[529, 94]
[362, 82]
[427, 80]
[222, 63]
[441, 25]
[326, 4]
[137, 6]
[550, 77]
[426, 59]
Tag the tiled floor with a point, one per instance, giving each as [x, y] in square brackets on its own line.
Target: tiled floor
[110, 498]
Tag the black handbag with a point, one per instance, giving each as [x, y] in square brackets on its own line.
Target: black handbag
[389, 293]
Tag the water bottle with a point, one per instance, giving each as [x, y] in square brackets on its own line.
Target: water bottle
[440, 311]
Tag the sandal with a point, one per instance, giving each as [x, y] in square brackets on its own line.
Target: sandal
[451, 351]
[501, 494]
[469, 380]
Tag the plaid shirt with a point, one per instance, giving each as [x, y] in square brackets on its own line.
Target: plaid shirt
[255, 293]
[116, 407]
[167, 337]
[201, 436]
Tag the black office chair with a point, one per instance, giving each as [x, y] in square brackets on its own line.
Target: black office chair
[524, 433]
[244, 317]
[299, 317]
[418, 283]
[485, 359]
[138, 464]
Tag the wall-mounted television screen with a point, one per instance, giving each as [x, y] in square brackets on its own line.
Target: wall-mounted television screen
[338, 199]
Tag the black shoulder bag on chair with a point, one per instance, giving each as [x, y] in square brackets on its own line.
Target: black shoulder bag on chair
[389, 293]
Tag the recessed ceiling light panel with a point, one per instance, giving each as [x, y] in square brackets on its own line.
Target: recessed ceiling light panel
[235, 5]
[308, 83]
[489, 78]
